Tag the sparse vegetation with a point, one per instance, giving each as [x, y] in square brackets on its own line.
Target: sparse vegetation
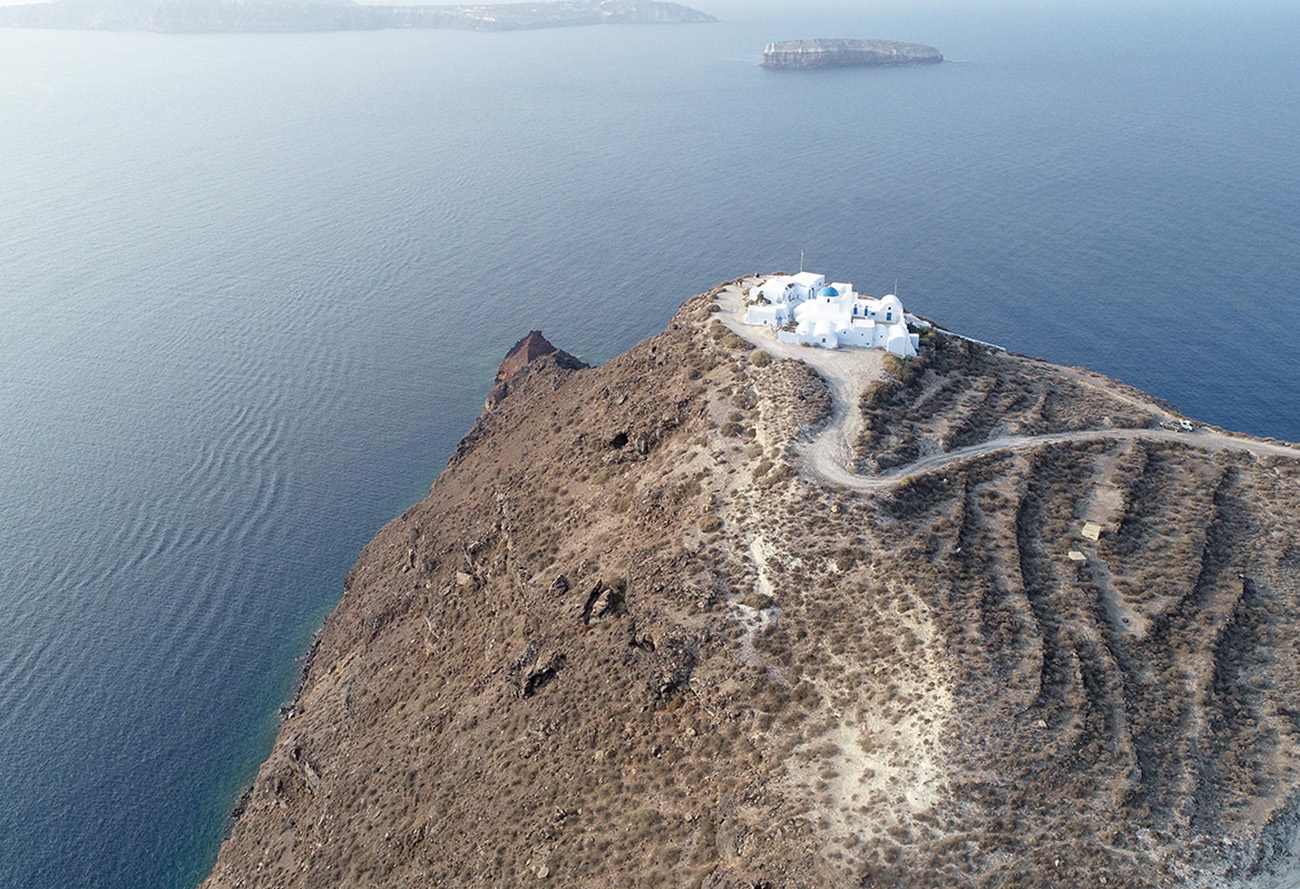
[959, 393]
[584, 633]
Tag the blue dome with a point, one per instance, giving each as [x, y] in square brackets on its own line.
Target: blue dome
[828, 290]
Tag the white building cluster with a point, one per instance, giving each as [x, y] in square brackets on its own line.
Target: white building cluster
[803, 308]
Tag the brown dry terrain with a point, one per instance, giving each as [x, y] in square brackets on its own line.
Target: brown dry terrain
[633, 638]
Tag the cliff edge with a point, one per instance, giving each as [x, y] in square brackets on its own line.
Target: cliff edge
[277, 16]
[723, 613]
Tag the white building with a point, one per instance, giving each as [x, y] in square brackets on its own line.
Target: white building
[803, 308]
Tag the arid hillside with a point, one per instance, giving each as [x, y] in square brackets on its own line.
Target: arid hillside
[722, 613]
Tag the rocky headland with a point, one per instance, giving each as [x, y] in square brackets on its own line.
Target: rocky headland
[727, 613]
[839, 53]
[336, 15]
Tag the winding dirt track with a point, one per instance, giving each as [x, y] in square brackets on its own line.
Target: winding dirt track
[848, 371]
[818, 465]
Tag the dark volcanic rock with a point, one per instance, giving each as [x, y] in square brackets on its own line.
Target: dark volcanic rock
[847, 53]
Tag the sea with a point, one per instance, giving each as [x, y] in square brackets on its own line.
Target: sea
[253, 289]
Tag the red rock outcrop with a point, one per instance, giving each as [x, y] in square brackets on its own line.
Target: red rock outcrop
[524, 352]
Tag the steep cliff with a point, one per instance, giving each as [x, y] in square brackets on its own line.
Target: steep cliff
[336, 15]
[659, 624]
[833, 53]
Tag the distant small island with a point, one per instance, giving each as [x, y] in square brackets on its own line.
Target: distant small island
[824, 53]
[261, 16]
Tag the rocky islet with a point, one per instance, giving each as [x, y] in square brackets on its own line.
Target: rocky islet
[845, 53]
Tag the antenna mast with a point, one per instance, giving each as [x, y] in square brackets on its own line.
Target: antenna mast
[801, 262]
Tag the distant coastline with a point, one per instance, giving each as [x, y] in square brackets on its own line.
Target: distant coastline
[278, 16]
[840, 53]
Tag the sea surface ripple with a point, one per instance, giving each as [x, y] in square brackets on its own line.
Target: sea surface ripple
[253, 288]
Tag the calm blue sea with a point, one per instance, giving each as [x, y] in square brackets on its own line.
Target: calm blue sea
[253, 289]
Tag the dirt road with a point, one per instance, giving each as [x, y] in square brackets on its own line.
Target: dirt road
[848, 371]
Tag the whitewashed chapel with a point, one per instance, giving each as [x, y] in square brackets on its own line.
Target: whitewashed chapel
[803, 308]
